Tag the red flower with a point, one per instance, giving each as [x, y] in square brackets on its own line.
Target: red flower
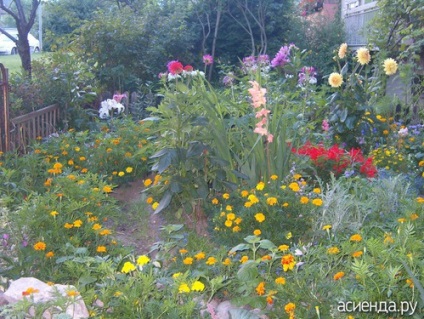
[188, 68]
[368, 169]
[175, 67]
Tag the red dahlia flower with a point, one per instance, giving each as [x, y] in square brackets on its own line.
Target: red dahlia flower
[175, 67]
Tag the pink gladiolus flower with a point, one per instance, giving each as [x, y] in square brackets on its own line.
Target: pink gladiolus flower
[258, 94]
[262, 113]
[261, 130]
[270, 138]
[207, 59]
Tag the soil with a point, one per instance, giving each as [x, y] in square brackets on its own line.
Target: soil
[130, 229]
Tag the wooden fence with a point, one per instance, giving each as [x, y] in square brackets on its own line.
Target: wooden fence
[32, 126]
[17, 133]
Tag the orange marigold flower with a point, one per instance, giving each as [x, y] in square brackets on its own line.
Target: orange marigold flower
[107, 189]
[40, 245]
[271, 201]
[357, 254]
[231, 216]
[288, 262]
[244, 193]
[211, 261]
[96, 226]
[304, 200]
[273, 177]
[413, 216]
[227, 262]
[225, 196]
[290, 307]
[317, 201]
[260, 288]
[215, 201]
[30, 291]
[68, 226]
[356, 238]
[339, 275]
[260, 217]
[105, 232]
[243, 259]
[257, 232]
[280, 281]
[183, 251]
[283, 247]
[266, 258]
[72, 293]
[200, 255]
[78, 223]
[294, 187]
[236, 229]
[147, 182]
[101, 249]
[188, 261]
[50, 254]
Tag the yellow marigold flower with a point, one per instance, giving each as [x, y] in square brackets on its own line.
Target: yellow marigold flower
[236, 229]
[363, 55]
[326, 227]
[413, 216]
[129, 169]
[304, 200]
[288, 262]
[283, 247]
[356, 238]
[183, 288]
[215, 201]
[388, 239]
[228, 223]
[260, 288]
[253, 199]
[183, 251]
[248, 204]
[128, 267]
[48, 182]
[229, 208]
[420, 199]
[390, 66]
[147, 182]
[273, 177]
[238, 221]
[143, 260]
[335, 80]
[260, 217]
[84, 170]
[271, 201]
[294, 187]
[339, 275]
[197, 286]
[96, 226]
[231, 216]
[244, 259]
[188, 261]
[50, 254]
[257, 232]
[317, 201]
[105, 232]
[285, 204]
[155, 205]
[333, 250]
[342, 50]
[54, 213]
[149, 200]
[290, 307]
[101, 249]
[260, 186]
[107, 189]
[280, 281]
[266, 258]
[386, 132]
[121, 173]
[244, 193]
[68, 226]
[410, 282]
[176, 275]
[402, 220]
[357, 254]
[200, 255]
[40, 246]
[210, 261]
[118, 293]
[226, 262]
[317, 190]
[225, 196]
[78, 223]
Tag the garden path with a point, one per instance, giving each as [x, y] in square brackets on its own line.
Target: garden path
[133, 228]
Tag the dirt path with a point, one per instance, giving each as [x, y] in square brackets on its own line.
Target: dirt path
[134, 228]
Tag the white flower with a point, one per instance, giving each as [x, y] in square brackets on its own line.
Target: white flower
[403, 132]
[110, 106]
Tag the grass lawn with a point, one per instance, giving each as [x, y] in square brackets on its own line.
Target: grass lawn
[13, 62]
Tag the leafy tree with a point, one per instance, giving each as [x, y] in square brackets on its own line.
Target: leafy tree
[24, 17]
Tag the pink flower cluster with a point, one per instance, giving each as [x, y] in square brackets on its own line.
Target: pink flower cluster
[259, 100]
[207, 59]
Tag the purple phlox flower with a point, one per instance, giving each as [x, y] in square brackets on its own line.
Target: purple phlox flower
[263, 60]
[307, 73]
[207, 59]
[349, 173]
[325, 125]
[281, 58]
[249, 61]
[228, 79]
[5, 240]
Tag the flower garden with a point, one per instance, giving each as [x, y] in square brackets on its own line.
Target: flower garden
[312, 192]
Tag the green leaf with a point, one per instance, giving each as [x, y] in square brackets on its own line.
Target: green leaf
[248, 272]
[239, 247]
[164, 202]
[252, 239]
[343, 115]
[267, 244]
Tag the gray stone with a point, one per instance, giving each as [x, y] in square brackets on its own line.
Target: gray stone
[45, 293]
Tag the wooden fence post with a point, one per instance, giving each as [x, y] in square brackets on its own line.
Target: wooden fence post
[4, 114]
